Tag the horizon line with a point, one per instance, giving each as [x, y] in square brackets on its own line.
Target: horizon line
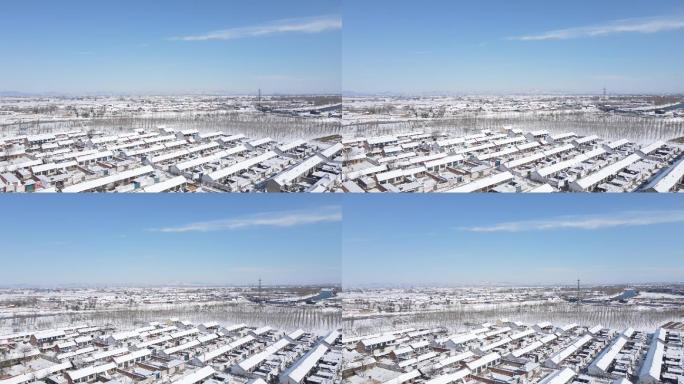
[177, 285]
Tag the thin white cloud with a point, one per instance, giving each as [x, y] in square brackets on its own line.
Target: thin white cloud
[588, 222]
[302, 25]
[268, 219]
[641, 25]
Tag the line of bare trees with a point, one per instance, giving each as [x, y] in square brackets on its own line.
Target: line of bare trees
[255, 125]
[287, 318]
[615, 317]
[641, 129]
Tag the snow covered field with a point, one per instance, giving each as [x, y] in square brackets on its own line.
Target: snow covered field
[31, 310]
[372, 311]
[278, 117]
[584, 115]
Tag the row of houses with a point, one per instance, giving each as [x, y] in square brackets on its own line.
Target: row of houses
[172, 351]
[508, 161]
[512, 352]
[165, 160]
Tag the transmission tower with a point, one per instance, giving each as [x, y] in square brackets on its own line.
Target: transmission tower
[259, 297]
[578, 294]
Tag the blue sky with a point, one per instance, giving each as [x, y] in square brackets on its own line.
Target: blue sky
[502, 46]
[521, 239]
[169, 239]
[171, 46]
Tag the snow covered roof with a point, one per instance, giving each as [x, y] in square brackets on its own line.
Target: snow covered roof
[476, 148]
[66, 344]
[37, 374]
[667, 182]
[262, 330]
[603, 362]
[77, 352]
[423, 357]
[651, 147]
[291, 145]
[132, 356]
[288, 176]
[197, 376]
[177, 348]
[241, 166]
[366, 171]
[426, 158]
[106, 354]
[380, 140]
[40, 137]
[650, 370]
[541, 132]
[569, 350]
[462, 338]
[53, 166]
[482, 361]
[95, 156]
[484, 182]
[554, 168]
[184, 152]
[49, 334]
[527, 349]
[404, 377]
[184, 333]
[585, 139]
[605, 172]
[544, 188]
[235, 327]
[616, 144]
[382, 177]
[305, 364]
[560, 136]
[208, 356]
[208, 159]
[451, 142]
[256, 143]
[296, 334]
[496, 344]
[498, 331]
[561, 376]
[450, 377]
[158, 340]
[378, 340]
[510, 140]
[166, 185]
[444, 161]
[256, 359]
[88, 371]
[453, 359]
[331, 337]
[209, 135]
[103, 139]
[97, 183]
